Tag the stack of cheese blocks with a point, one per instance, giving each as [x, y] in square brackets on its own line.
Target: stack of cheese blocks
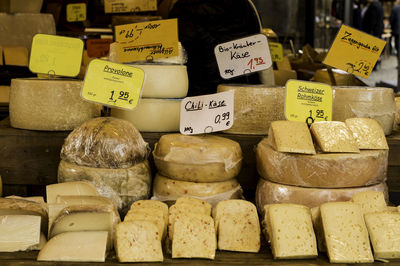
[203, 167]
[352, 157]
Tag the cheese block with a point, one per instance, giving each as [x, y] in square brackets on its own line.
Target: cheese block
[152, 215]
[345, 233]
[318, 229]
[37, 199]
[291, 231]
[397, 117]
[368, 133]
[255, 107]
[291, 136]
[384, 231]
[334, 136]
[19, 232]
[42, 242]
[21, 6]
[88, 246]
[205, 158]
[267, 76]
[77, 188]
[53, 105]
[195, 202]
[268, 192]
[4, 93]
[16, 56]
[105, 142]
[138, 241]
[392, 209]
[1, 187]
[123, 186]
[152, 204]
[194, 237]
[328, 170]
[370, 201]
[153, 115]
[375, 103]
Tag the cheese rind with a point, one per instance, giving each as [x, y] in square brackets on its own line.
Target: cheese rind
[76, 188]
[367, 133]
[370, 201]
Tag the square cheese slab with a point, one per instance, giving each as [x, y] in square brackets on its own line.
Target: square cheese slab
[370, 201]
[153, 215]
[368, 133]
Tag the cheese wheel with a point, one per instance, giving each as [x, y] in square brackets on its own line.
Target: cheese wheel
[39, 104]
[269, 192]
[204, 158]
[329, 170]
[375, 103]
[397, 120]
[153, 115]
[1, 187]
[255, 107]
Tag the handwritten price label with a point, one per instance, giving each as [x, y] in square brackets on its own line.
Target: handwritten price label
[124, 6]
[76, 12]
[207, 113]
[243, 56]
[113, 84]
[354, 51]
[276, 51]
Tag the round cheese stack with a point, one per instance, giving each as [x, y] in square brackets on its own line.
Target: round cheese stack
[375, 103]
[205, 158]
[329, 170]
[269, 192]
[255, 107]
[40, 104]
[153, 115]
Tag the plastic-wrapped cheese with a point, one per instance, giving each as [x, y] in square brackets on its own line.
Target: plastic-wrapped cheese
[40, 104]
[255, 107]
[269, 192]
[105, 142]
[153, 115]
[205, 158]
[330, 170]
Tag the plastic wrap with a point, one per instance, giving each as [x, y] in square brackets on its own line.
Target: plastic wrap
[255, 107]
[105, 142]
[123, 186]
[269, 192]
[205, 158]
[329, 170]
[367, 133]
[375, 103]
[41, 104]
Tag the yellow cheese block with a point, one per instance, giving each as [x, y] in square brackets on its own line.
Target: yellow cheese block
[368, 133]
[370, 201]
[152, 204]
[39, 104]
[397, 118]
[153, 215]
[4, 93]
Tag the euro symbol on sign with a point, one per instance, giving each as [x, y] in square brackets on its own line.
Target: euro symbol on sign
[130, 101]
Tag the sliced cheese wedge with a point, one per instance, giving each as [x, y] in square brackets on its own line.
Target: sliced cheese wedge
[153, 215]
[70, 188]
[195, 202]
[370, 201]
[152, 204]
[368, 133]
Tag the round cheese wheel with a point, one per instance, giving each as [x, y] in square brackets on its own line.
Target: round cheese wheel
[255, 107]
[202, 158]
[40, 104]
[329, 170]
[153, 115]
[105, 142]
[269, 192]
[375, 103]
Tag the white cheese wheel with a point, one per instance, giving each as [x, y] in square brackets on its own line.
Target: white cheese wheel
[153, 115]
[329, 170]
[255, 107]
[269, 192]
[40, 104]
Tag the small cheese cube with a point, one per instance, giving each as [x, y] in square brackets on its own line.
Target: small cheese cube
[370, 201]
[368, 133]
[153, 215]
[197, 202]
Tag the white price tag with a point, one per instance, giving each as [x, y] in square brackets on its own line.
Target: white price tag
[243, 56]
[207, 113]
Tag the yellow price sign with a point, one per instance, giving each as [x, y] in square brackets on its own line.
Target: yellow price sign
[354, 51]
[308, 101]
[124, 6]
[113, 84]
[76, 12]
[276, 51]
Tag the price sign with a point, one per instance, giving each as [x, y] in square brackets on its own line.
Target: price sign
[113, 84]
[308, 101]
[147, 40]
[207, 113]
[123, 6]
[98, 47]
[354, 51]
[76, 12]
[243, 56]
[276, 51]
[56, 55]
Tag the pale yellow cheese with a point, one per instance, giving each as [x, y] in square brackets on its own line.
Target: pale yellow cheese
[15, 56]
[4, 92]
[318, 229]
[76, 188]
[368, 133]
[370, 201]
[1, 187]
[21, 6]
[152, 204]
[397, 116]
[153, 215]
[195, 202]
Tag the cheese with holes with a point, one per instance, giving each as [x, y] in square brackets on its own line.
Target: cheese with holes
[153, 115]
[291, 231]
[88, 246]
[255, 107]
[268, 192]
[138, 241]
[19, 232]
[328, 170]
[76, 188]
[346, 235]
[205, 158]
[367, 133]
[152, 204]
[370, 201]
[152, 215]
[53, 105]
[375, 103]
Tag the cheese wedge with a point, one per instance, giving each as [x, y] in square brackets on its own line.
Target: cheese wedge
[368, 133]
[70, 188]
[196, 202]
[153, 215]
[370, 201]
[318, 229]
[152, 204]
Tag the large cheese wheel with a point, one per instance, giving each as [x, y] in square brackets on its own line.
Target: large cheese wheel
[269, 192]
[204, 158]
[153, 115]
[40, 104]
[255, 107]
[105, 142]
[329, 170]
[376, 103]
[397, 120]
